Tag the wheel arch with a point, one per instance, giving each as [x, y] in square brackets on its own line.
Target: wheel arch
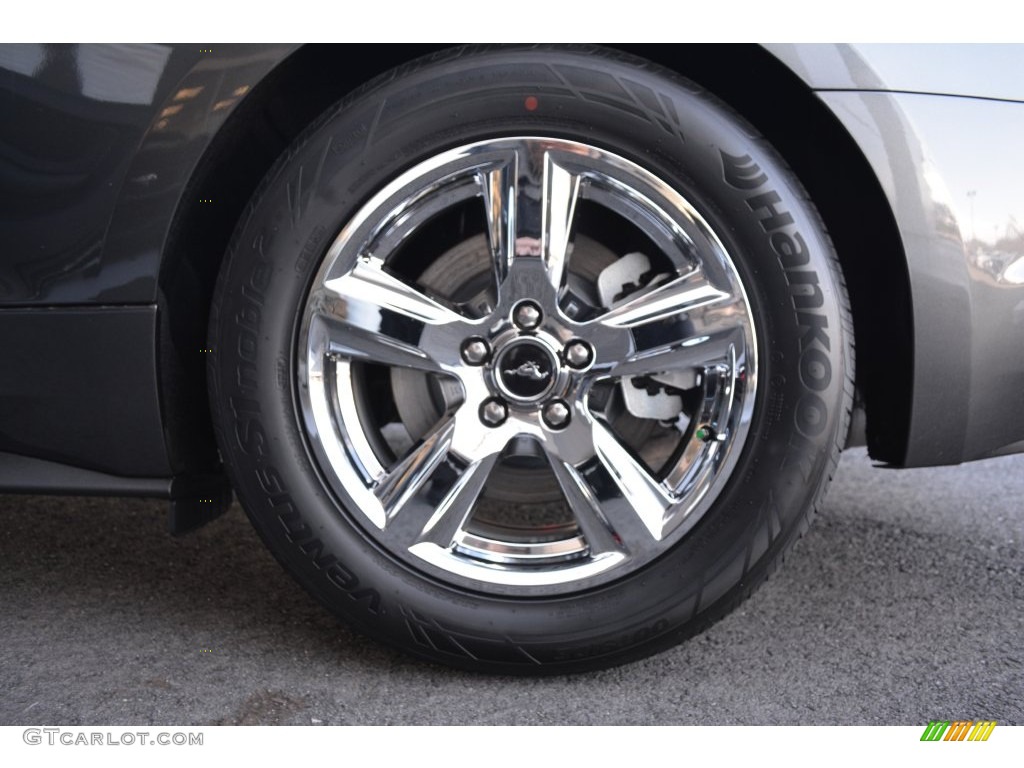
[776, 102]
[290, 96]
[819, 150]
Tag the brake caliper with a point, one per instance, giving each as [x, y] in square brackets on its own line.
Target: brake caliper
[657, 396]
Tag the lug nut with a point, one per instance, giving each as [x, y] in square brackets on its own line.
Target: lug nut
[527, 315]
[556, 414]
[493, 412]
[578, 354]
[475, 351]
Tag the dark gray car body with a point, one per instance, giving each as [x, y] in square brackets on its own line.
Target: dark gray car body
[123, 169]
[941, 127]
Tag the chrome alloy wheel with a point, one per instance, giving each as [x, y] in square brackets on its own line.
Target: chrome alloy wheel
[627, 380]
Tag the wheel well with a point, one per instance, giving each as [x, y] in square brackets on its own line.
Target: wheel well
[266, 122]
[776, 102]
[851, 202]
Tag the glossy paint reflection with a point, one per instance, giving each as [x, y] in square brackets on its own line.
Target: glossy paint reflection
[951, 168]
[97, 143]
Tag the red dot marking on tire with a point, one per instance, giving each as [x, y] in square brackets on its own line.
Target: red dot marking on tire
[530, 103]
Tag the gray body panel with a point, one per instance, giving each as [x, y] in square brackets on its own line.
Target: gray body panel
[950, 168]
[94, 167]
[982, 71]
[952, 185]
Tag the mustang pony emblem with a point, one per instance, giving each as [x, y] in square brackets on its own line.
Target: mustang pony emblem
[529, 369]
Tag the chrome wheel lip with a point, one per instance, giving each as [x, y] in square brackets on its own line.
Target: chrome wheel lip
[357, 476]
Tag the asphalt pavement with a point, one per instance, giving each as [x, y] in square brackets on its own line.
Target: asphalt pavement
[904, 603]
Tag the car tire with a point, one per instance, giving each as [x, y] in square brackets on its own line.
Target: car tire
[530, 359]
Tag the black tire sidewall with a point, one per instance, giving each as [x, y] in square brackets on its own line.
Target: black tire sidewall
[649, 116]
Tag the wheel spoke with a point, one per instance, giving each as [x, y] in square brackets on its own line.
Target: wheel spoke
[455, 508]
[413, 520]
[684, 238]
[682, 294]
[405, 220]
[350, 341]
[695, 352]
[637, 511]
[371, 315]
[369, 286]
[530, 202]
[559, 195]
[395, 488]
[586, 509]
[500, 188]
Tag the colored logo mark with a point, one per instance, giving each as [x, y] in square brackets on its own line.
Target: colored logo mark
[958, 730]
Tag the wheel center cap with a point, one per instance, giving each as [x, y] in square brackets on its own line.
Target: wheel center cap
[525, 370]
